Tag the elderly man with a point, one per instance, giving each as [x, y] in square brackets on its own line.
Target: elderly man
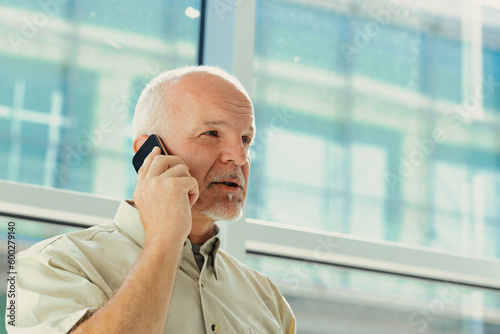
[158, 268]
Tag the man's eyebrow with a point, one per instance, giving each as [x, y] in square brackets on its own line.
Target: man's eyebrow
[222, 123]
[216, 123]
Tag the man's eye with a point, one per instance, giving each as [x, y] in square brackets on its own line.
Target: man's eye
[212, 133]
[247, 140]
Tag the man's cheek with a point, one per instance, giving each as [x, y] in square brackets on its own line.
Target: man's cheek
[203, 180]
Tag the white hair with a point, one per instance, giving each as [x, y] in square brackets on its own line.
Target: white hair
[151, 112]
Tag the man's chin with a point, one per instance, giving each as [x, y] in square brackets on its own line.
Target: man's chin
[221, 211]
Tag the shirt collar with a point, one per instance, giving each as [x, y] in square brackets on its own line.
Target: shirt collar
[128, 220]
[211, 246]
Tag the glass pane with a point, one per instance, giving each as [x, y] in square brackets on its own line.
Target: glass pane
[328, 299]
[467, 210]
[380, 118]
[71, 74]
[25, 233]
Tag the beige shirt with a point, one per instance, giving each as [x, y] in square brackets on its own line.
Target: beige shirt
[63, 278]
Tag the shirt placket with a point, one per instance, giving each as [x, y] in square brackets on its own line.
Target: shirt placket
[211, 313]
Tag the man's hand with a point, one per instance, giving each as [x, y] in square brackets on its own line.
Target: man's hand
[164, 194]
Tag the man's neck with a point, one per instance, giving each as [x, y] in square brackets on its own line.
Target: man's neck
[200, 233]
[201, 230]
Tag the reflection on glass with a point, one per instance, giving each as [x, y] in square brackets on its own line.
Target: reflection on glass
[328, 299]
[71, 73]
[380, 118]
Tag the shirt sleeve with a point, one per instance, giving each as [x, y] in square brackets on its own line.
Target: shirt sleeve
[286, 316]
[288, 319]
[52, 295]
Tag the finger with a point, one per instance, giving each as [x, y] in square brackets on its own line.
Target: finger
[193, 191]
[178, 170]
[162, 163]
[142, 172]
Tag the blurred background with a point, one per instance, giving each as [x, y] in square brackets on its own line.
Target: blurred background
[376, 119]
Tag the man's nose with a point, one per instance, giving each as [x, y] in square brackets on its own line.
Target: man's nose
[236, 152]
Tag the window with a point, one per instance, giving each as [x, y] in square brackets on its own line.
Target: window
[72, 72]
[378, 119]
[338, 300]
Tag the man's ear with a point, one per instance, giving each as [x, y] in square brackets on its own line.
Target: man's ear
[138, 141]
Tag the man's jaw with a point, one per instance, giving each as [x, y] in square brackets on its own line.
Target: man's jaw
[220, 211]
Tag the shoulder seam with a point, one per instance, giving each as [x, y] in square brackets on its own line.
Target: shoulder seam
[68, 260]
[90, 237]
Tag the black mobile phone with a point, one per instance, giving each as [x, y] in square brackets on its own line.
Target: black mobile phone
[145, 149]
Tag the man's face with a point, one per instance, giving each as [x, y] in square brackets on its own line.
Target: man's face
[211, 128]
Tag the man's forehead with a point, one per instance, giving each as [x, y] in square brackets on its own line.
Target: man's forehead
[203, 99]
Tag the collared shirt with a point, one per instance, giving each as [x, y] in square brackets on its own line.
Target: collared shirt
[62, 279]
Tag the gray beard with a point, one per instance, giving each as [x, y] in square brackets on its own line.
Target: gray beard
[221, 212]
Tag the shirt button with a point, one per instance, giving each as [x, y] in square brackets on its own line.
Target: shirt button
[215, 328]
[202, 284]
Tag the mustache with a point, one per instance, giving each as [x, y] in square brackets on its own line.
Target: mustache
[241, 179]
